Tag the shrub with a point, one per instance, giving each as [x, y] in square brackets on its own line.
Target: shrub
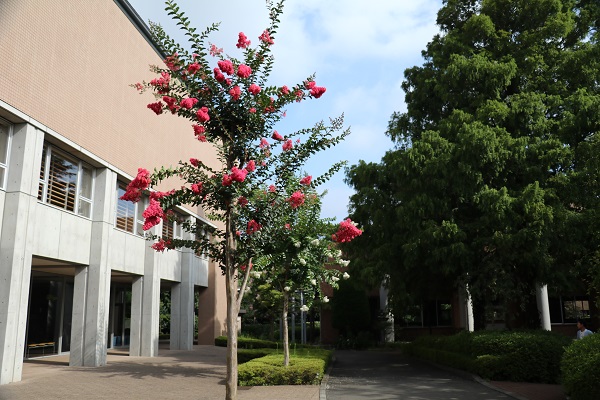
[307, 367]
[521, 356]
[245, 355]
[580, 368]
[248, 343]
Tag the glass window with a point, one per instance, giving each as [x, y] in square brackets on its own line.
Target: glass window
[567, 309]
[201, 232]
[129, 215]
[4, 149]
[60, 178]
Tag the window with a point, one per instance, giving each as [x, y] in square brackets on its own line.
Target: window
[566, 309]
[66, 182]
[431, 313]
[172, 226]
[5, 136]
[129, 215]
[201, 232]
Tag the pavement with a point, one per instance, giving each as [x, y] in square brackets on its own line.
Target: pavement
[200, 374]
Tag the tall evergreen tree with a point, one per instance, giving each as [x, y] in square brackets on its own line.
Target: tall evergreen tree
[494, 178]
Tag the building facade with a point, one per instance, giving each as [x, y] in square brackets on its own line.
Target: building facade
[76, 272]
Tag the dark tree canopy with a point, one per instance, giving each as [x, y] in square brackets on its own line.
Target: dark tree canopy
[494, 181]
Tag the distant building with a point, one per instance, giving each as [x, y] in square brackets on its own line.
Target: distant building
[76, 274]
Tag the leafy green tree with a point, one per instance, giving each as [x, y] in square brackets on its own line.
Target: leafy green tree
[492, 182]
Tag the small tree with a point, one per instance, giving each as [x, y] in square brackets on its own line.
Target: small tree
[305, 245]
[231, 106]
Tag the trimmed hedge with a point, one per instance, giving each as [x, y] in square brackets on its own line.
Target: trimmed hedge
[519, 356]
[248, 343]
[245, 355]
[580, 368]
[307, 367]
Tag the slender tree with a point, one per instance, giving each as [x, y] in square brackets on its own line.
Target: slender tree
[230, 105]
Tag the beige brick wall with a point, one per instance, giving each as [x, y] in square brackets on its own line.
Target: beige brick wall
[68, 64]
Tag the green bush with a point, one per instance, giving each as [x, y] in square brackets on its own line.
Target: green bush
[520, 356]
[248, 343]
[245, 355]
[306, 367]
[580, 368]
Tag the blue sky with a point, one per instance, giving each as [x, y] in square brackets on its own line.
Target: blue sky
[357, 49]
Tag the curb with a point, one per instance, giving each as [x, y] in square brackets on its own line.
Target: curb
[325, 380]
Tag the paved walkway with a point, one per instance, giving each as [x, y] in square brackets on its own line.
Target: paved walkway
[200, 374]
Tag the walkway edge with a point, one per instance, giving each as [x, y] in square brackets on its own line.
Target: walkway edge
[325, 380]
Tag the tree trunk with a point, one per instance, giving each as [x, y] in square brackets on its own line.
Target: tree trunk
[231, 383]
[286, 342]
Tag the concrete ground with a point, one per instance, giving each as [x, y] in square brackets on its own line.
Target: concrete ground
[200, 374]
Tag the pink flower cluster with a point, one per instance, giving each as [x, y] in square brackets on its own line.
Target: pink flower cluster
[235, 93]
[252, 227]
[196, 187]
[306, 180]
[152, 215]
[156, 107]
[162, 245]
[346, 232]
[296, 199]
[162, 83]
[188, 102]
[199, 132]
[202, 114]
[266, 38]
[214, 50]
[136, 187]
[277, 136]
[244, 71]
[238, 174]
[226, 66]
[254, 89]
[193, 68]
[287, 145]
[243, 41]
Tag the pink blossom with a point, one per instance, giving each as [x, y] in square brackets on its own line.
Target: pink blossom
[277, 136]
[309, 84]
[242, 201]
[152, 215]
[228, 82]
[265, 37]
[226, 66]
[254, 89]
[346, 232]
[139, 86]
[159, 195]
[263, 143]
[197, 187]
[244, 71]
[135, 188]
[317, 91]
[188, 102]
[251, 166]
[288, 227]
[194, 162]
[285, 90]
[299, 95]
[235, 92]
[296, 199]
[218, 75]
[202, 114]
[172, 62]
[252, 110]
[162, 83]
[214, 50]
[156, 107]
[243, 41]
[272, 188]
[252, 227]
[161, 245]
[227, 181]
[306, 180]
[201, 138]
[193, 68]
[238, 175]
[287, 145]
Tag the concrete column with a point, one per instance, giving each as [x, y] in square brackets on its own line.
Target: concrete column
[467, 320]
[388, 333]
[182, 303]
[97, 287]
[150, 305]
[135, 336]
[78, 318]
[541, 295]
[16, 232]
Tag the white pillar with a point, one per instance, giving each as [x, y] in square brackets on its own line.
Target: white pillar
[150, 305]
[541, 295]
[97, 287]
[16, 234]
[466, 309]
[182, 303]
[135, 335]
[388, 335]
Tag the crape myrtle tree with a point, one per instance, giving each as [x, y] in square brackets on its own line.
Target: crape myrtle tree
[230, 105]
[305, 246]
[493, 181]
